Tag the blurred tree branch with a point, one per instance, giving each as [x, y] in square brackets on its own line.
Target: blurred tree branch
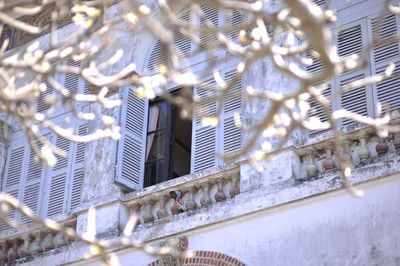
[284, 37]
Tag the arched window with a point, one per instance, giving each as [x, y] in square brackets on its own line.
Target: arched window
[156, 145]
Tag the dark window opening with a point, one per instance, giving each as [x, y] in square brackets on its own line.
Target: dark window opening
[169, 141]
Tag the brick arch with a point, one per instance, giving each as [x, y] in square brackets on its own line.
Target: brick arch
[207, 258]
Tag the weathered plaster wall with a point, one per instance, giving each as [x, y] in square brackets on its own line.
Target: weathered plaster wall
[330, 229]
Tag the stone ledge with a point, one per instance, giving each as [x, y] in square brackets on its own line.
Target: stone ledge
[179, 181]
[259, 200]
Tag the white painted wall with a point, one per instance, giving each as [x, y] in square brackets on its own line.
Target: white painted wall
[329, 229]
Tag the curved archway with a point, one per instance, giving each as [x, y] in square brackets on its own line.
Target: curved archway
[207, 258]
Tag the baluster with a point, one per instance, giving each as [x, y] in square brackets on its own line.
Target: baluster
[36, 246]
[381, 148]
[13, 250]
[47, 242]
[71, 225]
[134, 210]
[3, 252]
[311, 167]
[162, 212]
[396, 142]
[235, 185]
[190, 203]
[220, 195]
[24, 249]
[59, 240]
[175, 208]
[328, 163]
[363, 151]
[205, 197]
[346, 158]
[147, 215]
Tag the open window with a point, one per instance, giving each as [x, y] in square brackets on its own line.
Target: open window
[168, 144]
[158, 145]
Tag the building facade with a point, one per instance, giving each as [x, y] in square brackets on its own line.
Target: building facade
[291, 210]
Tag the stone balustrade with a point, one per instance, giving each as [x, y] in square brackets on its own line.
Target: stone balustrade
[359, 148]
[186, 197]
[32, 243]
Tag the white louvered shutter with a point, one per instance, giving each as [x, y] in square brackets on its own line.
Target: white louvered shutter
[232, 106]
[204, 139]
[181, 43]
[354, 100]
[321, 3]
[316, 109]
[325, 88]
[59, 179]
[71, 81]
[11, 213]
[351, 41]
[157, 57]
[86, 89]
[76, 180]
[233, 18]
[31, 198]
[34, 183]
[316, 65]
[42, 105]
[132, 145]
[15, 167]
[385, 29]
[207, 38]
[14, 175]
[388, 90]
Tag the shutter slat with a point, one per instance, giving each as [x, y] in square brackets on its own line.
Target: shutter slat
[31, 199]
[77, 182]
[316, 109]
[157, 56]
[15, 167]
[383, 30]
[207, 38]
[42, 105]
[321, 3]
[56, 197]
[62, 144]
[35, 169]
[11, 213]
[350, 41]
[316, 65]
[77, 178]
[354, 100]
[388, 90]
[80, 149]
[71, 81]
[208, 107]
[204, 138]
[135, 108]
[204, 156]
[181, 43]
[232, 104]
[232, 135]
[233, 100]
[233, 18]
